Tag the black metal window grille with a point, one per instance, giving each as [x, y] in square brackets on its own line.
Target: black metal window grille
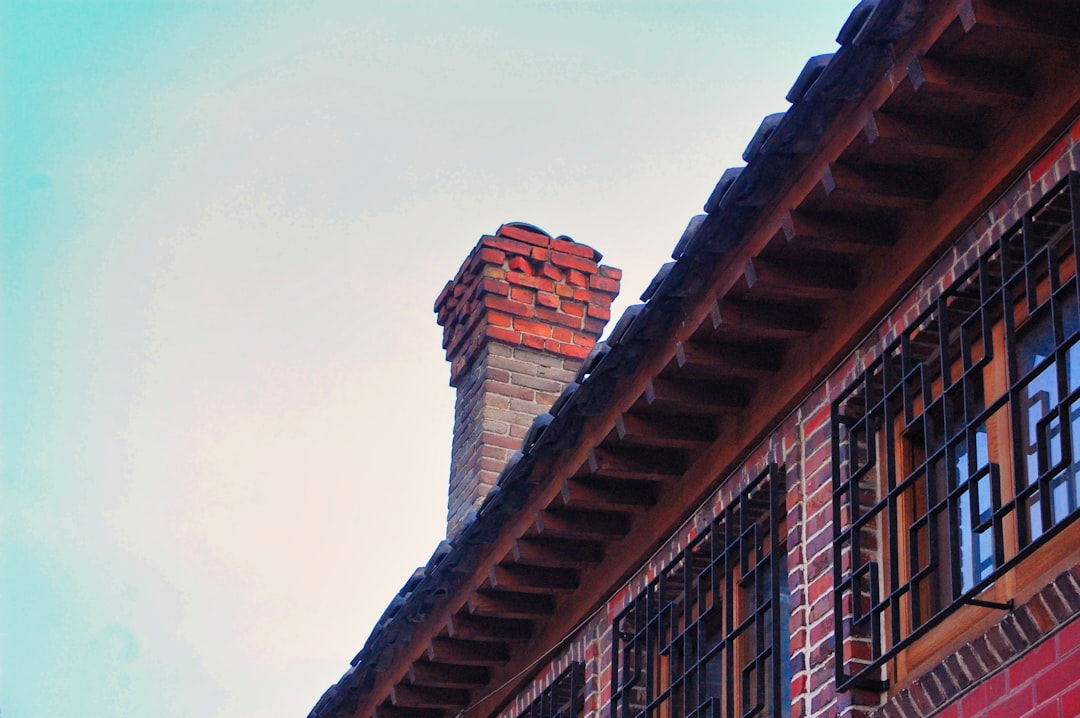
[564, 698]
[709, 636]
[957, 453]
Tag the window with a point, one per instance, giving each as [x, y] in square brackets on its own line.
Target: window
[709, 636]
[957, 453]
[564, 698]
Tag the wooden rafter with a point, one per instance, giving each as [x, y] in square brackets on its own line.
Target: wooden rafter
[533, 579]
[446, 675]
[975, 84]
[623, 495]
[920, 137]
[488, 628]
[591, 525]
[467, 653]
[664, 432]
[511, 604]
[887, 188]
[622, 462]
[799, 280]
[761, 320]
[557, 553]
[405, 695]
[728, 361]
[692, 398]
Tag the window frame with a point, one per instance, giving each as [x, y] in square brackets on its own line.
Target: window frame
[954, 374]
[714, 618]
[564, 698]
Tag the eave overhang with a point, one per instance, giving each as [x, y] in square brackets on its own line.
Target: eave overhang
[892, 147]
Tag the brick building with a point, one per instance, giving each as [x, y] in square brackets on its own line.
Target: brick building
[830, 466]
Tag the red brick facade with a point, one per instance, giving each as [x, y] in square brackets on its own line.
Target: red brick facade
[1028, 664]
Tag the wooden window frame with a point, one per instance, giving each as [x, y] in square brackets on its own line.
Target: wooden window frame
[938, 459]
[709, 635]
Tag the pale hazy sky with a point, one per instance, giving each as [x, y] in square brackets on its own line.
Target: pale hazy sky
[224, 414]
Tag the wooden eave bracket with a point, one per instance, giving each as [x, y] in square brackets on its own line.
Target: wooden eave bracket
[1023, 24]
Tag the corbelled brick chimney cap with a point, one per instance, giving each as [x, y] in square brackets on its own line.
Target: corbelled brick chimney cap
[520, 315]
[523, 287]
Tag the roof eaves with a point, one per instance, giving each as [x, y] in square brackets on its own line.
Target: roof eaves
[825, 83]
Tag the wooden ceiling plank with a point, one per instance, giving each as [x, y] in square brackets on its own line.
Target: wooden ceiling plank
[635, 497]
[763, 320]
[727, 360]
[692, 398]
[592, 525]
[647, 431]
[407, 696]
[557, 553]
[447, 675]
[488, 628]
[634, 463]
[879, 187]
[388, 711]
[922, 137]
[799, 280]
[467, 653]
[981, 85]
[838, 236]
[533, 579]
[1016, 23]
[508, 604]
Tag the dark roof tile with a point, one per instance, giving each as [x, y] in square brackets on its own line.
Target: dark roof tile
[764, 130]
[722, 186]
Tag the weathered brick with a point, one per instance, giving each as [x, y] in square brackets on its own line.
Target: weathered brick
[570, 261]
[523, 234]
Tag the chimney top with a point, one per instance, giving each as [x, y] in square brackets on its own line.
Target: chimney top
[523, 311]
[523, 287]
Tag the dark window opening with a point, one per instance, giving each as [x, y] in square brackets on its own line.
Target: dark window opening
[564, 698]
[957, 452]
[709, 637]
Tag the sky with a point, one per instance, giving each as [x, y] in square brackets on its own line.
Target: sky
[224, 407]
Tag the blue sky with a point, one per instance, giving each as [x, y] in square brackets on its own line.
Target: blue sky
[225, 419]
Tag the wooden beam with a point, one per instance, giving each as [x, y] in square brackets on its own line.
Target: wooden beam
[664, 432]
[799, 280]
[467, 653]
[834, 236]
[407, 696]
[974, 84]
[759, 319]
[388, 711]
[1022, 24]
[729, 361]
[591, 525]
[511, 604]
[635, 463]
[533, 579]
[488, 628]
[624, 495]
[447, 675]
[921, 137]
[557, 553]
[692, 398]
[876, 187]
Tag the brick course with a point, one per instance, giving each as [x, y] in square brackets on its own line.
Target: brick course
[1027, 665]
[515, 332]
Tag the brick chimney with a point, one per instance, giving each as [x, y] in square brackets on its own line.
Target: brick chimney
[518, 319]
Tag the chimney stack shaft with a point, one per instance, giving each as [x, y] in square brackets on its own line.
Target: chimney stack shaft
[518, 319]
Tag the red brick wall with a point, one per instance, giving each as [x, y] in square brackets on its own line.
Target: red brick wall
[1026, 665]
[1045, 683]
